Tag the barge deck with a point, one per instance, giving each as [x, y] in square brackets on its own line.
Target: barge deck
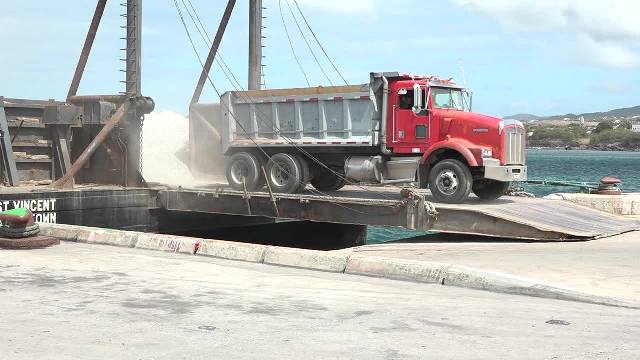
[176, 210]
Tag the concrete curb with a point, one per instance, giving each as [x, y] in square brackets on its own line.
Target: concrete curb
[419, 271]
[306, 259]
[627, 204]
[61, 231]
[472, 278]
[108, 237]
[168, 243]
[338, 262]
[232, 250]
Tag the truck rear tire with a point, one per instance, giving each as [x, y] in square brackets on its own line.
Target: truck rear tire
[450, 181]
[243, 169]
[328, 180]
[285, 174]
[487, 189]
[306, 171]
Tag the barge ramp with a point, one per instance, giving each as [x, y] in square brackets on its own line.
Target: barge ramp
[508, 217]
[181, 210]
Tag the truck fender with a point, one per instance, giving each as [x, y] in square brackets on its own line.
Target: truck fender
[453, 144]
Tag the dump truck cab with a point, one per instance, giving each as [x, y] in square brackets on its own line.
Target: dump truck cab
[433, 118]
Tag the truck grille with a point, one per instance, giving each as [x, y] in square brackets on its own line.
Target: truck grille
[514, 146]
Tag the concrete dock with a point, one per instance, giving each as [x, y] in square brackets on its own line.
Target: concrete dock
[164, 296]
[598, 271]
[94, 302]
[607, 267]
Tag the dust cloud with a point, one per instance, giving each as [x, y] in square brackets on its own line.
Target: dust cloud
[165, 152]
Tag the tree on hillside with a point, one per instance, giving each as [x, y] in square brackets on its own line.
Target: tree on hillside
[602, 126]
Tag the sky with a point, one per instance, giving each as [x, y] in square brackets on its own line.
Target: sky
[543, 57]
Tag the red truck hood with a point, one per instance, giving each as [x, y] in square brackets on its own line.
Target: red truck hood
[481, 118]
[466, 122]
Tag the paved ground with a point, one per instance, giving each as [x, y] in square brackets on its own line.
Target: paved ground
[605, 267]
[96, 302]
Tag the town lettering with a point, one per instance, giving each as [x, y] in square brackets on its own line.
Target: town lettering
[44, 210]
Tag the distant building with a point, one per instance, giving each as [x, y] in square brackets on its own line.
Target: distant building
[635, 127]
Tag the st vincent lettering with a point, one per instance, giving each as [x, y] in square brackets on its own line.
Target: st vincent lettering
[43, 209]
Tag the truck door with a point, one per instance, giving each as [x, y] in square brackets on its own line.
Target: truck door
[411, 129]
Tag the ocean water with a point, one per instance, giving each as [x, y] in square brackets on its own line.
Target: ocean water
[582, 165]
[563, 165]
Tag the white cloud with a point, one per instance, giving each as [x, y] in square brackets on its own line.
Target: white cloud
[610, 20]
[607, 54]
[609, 86]
[608, 32]
[340, 6]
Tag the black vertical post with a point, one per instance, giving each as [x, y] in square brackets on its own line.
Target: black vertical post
[8, 157]
[134, 44]
[61, 155]
[133, 88]
[255, 44]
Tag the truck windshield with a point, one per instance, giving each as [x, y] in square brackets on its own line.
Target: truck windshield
[447, 98]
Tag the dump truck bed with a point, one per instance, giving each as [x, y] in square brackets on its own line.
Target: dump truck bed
[307, 117]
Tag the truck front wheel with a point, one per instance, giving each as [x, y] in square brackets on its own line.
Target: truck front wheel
[450, 181]
[488, 189]
[243, 171]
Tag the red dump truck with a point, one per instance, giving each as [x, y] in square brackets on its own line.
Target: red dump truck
[395, 129]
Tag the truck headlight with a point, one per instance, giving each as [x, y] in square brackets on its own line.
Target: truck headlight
[487, 153]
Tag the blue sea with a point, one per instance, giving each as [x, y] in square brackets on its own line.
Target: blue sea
[562, 165]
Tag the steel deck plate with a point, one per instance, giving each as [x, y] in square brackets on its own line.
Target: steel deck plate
[508, 217]
[553, 216]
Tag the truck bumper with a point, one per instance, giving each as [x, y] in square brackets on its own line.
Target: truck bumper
[493, 170]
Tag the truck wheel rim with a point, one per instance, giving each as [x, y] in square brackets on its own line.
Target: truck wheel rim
[280, 174]
[239, 172]
[447, 182]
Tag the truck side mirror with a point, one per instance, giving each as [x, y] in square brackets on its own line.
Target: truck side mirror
[417, 99]
[468, 97]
